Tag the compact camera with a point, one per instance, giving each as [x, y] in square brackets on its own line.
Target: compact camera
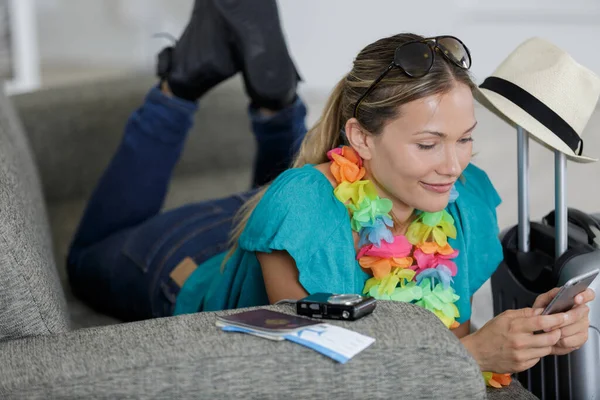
[348, 307]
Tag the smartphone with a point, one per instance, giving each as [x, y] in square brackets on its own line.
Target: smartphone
[565, 298]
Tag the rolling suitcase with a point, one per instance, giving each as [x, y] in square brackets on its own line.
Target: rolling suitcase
[539, 256]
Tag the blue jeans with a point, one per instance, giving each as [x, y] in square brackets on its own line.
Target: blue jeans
[125, 249]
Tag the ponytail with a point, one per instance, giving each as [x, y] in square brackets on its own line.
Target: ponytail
[324, 136]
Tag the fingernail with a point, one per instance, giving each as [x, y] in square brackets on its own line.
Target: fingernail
[566, 317]
[538, 311]
[578, 299]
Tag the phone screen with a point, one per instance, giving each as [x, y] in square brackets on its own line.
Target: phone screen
[565, 298]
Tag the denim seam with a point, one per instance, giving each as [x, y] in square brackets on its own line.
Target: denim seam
[145, 264]
[190, 235]
[168, 293]
[172, 251]
[172, 102]
[205, 251]
[282, 115]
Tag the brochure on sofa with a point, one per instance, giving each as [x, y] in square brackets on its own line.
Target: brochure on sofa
[337, 343]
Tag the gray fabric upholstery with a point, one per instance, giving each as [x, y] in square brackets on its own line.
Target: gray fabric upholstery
[513, 392]
[188, 357]
[31, 298]
[85, 123]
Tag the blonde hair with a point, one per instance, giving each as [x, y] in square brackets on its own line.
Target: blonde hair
[379, 107]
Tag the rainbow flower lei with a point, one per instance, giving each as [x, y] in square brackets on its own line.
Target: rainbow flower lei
[416, 267]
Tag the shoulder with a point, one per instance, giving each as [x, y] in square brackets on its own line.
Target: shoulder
[298, 206]
[306, 178]
[475, 209]
[475, 184]
[300, 189]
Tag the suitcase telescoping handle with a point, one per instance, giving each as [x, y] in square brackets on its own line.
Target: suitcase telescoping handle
[560, 202]
[560, 195]
[523, 190]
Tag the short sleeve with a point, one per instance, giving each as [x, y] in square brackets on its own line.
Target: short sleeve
[300, 215]
[478, 181]
[480, 224]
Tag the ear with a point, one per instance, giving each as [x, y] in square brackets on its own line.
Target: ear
[359, 138]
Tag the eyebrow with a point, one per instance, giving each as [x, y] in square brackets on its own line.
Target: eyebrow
[443, 135]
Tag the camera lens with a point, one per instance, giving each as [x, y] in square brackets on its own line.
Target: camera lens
[345, 299]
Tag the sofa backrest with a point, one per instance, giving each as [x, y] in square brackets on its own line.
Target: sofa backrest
[31, 298]
[75, 129]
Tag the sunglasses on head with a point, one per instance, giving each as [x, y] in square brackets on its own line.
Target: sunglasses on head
[416, 58]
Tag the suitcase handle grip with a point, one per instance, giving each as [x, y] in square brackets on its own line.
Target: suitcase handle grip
[577, 218]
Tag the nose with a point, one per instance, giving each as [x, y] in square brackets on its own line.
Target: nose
[450, 165]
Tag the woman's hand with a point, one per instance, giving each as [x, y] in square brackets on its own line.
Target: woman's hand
[508, 344]
[574, 331]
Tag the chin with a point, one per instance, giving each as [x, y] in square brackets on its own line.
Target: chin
[438, 203]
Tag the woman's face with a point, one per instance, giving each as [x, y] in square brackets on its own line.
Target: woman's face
[419, 155]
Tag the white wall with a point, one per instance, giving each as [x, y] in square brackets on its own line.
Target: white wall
[113, 33]
[24, 49]
[324, 35]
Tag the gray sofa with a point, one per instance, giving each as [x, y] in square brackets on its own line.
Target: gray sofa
[53, 147]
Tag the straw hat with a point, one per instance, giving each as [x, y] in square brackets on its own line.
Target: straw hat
[542, 89]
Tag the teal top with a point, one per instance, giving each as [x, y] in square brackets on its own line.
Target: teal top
[300, 214]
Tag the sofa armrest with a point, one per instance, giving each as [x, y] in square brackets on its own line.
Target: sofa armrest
[513, 392]
[74, 130]
[414, 356]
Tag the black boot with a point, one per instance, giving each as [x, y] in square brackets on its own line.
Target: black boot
[201, 58]
[260, 50]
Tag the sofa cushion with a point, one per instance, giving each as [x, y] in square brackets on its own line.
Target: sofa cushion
[31, 297]
[75, 137]
[414, 357]
[515, 391]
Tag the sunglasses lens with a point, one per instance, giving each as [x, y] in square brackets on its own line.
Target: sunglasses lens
[455, 50]
[414, 58]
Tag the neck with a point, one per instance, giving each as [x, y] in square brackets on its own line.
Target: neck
[401, 213]
[402, 217]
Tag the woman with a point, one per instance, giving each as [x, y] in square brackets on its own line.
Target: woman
[381, 199]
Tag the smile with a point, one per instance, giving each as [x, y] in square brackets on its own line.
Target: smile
[437, 188]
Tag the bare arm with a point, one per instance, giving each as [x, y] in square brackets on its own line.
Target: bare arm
[463, 329]
[281, 276]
